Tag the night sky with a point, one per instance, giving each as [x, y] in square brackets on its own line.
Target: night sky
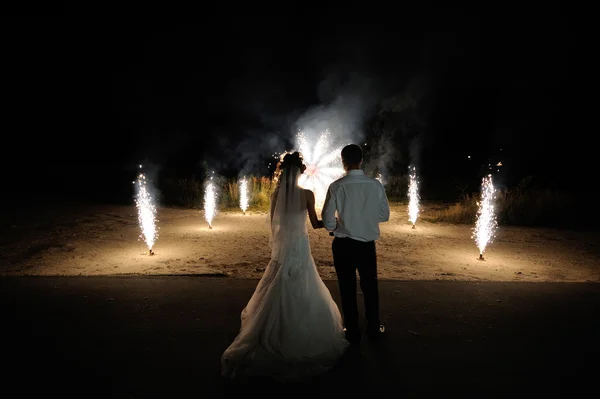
[89, 100]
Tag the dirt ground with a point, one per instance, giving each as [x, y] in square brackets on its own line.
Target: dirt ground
[86, 240]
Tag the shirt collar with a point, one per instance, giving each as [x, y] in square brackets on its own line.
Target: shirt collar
[355, 172]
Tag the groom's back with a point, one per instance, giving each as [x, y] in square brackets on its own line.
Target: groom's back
[361, 205]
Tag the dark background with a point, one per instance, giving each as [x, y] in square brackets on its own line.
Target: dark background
[89, 100]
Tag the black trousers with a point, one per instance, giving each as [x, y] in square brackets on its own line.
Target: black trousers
[348, 256]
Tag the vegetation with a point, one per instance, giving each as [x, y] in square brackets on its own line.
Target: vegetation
[523, 205]
[189, 193]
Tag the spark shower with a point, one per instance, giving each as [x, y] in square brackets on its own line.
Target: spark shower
[243, 191]
[413, 196]
[210, 202]
[146, 212]
[486, 225]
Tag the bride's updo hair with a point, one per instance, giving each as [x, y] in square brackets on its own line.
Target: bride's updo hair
[288, 160]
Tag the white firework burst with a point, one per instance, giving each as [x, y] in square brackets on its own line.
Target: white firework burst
[323, 165]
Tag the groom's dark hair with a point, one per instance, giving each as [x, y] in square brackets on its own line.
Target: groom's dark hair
[352, 154]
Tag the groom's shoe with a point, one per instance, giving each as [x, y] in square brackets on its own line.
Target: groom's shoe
[374, 334]
[353, 337]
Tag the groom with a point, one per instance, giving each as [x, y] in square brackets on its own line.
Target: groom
[361, 204]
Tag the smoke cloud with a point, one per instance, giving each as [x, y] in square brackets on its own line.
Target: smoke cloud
[399, 131]
[348, 105]
[356, 80]
[255, 155]
[346, 101]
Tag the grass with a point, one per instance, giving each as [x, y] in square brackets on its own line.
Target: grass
[189, 193]
[523, 205]
[259, 194]
[462, 212]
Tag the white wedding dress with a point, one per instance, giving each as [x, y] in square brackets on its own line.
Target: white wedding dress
[291, 328]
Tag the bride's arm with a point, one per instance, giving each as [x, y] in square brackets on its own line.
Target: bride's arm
[273, 203]
[312, 214]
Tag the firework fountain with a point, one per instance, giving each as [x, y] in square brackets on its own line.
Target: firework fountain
[323, 165]
[146, 212]
[244, 194]
[486, 225]
[210, 202]
[413, 196]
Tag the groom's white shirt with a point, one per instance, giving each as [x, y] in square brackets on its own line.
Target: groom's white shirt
[361, 204]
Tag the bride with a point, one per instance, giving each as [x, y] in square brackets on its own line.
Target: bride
[291, 328]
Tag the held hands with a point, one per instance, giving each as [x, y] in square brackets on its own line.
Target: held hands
[321, 225]
[317, 224]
